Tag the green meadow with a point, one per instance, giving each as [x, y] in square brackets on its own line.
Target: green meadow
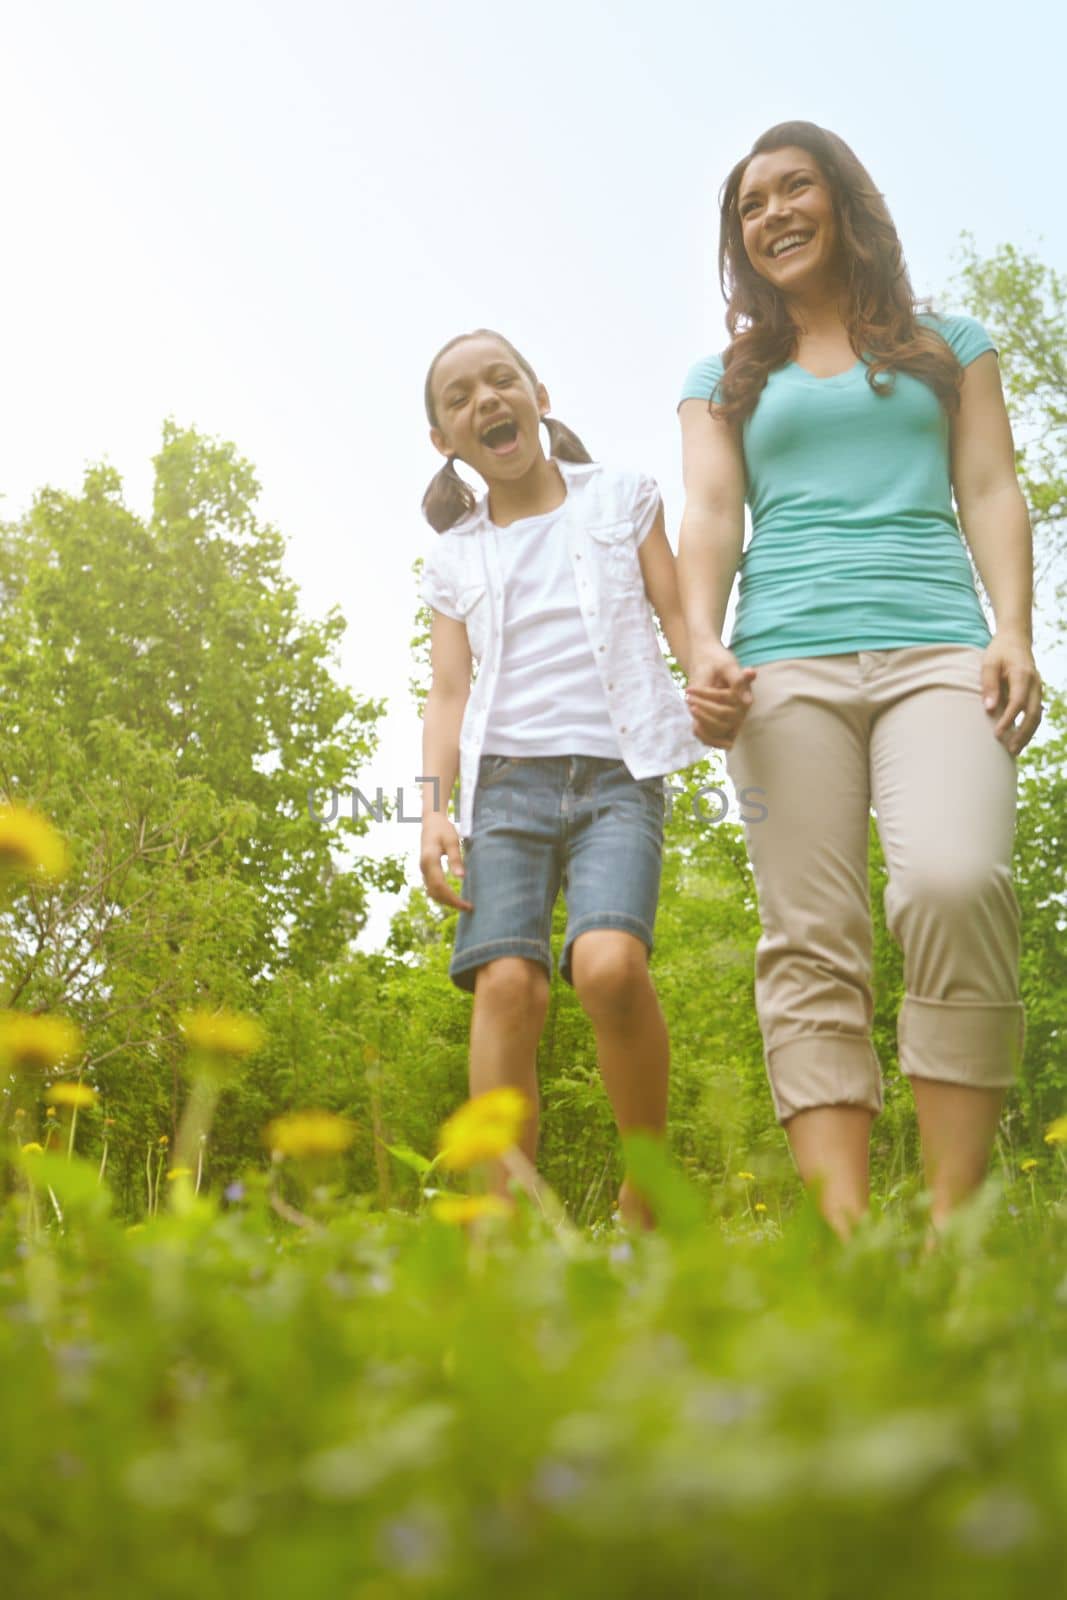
[260, 1337]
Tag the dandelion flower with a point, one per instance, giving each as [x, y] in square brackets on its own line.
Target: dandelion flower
[483, 1129]
[463, 1208]
[36, 1043]
[30, 846]
[305, 1134]
[1056, 1132]
[1028, 1165]
[225, 1034]
[80, 1095]
[747, 1177]
[759, 1206]
[163, 1141]
[179, 1172]
[51, 1112]
[33, 1148]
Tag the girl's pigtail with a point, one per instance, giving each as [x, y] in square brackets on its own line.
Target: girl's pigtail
[563, 444]
[448, 498]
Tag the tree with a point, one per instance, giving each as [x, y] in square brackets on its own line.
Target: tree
[1023, 303]
[166, 704]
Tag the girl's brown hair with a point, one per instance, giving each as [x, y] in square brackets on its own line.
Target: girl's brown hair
[881, 307]
[448, 498]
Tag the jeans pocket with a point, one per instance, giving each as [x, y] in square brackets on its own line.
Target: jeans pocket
[494, 769]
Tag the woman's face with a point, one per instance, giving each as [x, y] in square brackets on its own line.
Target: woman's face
[488, 411]
[787, 220]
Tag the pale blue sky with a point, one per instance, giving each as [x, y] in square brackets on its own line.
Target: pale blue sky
[263, 217]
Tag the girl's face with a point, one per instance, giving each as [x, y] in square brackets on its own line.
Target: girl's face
[787, 220]
[488, 411]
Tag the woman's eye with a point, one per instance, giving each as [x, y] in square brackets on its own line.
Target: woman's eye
[800, 183]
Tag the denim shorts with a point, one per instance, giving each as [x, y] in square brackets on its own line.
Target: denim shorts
[542, 823]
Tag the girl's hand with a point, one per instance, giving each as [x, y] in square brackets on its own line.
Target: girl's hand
[718, 695]
[440, 839]
[1011, 690]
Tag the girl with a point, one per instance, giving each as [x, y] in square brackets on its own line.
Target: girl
[861, 669]
[563, 743]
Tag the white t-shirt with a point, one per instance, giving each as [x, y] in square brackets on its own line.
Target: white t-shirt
[549, 698]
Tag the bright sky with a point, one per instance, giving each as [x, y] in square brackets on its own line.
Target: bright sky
[264, 216]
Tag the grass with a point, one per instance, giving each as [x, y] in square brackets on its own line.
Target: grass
[216, 1404]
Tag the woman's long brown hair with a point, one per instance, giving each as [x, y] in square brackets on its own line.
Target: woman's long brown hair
[881, 307]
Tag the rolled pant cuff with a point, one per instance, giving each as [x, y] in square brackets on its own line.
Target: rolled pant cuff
[824, 1069]
[961, 1041]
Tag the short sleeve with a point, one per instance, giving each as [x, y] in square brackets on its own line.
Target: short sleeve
[702, 380]
[965, 337]
[647, 501]
[436, 588]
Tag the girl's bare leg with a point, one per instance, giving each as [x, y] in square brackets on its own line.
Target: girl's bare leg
[510, 1005]
[612, 981]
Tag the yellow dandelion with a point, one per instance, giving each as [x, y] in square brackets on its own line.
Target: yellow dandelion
[51, 1112]
[483, 1129]
[223, 1034]
[759, 1206]
[79, 1095]
[1028, 1165]
[36, 1043]
[30, 846]
[163, 1141]
[1056, 1132]
[19, 1114]
[179, 1172]
[305, 1134]
[462, 1208]
[747, 1177]
[33, 1148]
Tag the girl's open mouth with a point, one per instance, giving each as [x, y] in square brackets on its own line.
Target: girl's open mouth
[502, 438]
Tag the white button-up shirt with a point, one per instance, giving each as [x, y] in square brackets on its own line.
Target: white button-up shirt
[462, 578]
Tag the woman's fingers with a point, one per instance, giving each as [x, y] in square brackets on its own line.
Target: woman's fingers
[1020, 697]
[1031, 720]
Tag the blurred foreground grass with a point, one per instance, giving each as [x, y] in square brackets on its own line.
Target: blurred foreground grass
[385, 1405]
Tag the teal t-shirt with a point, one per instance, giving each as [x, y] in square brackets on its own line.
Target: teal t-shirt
[855, 543]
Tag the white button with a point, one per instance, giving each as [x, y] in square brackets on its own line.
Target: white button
[622, 730]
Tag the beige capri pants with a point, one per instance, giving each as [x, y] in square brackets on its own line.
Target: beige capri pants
[905, 731]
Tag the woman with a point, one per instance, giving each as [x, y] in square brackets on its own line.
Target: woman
[861, 670]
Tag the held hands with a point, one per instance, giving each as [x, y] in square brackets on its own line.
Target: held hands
[1011, 690]
[440, 839]
[718, 695]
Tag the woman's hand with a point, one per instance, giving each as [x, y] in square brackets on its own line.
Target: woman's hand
[440, 840]
[1011, 690]
[718, 695]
